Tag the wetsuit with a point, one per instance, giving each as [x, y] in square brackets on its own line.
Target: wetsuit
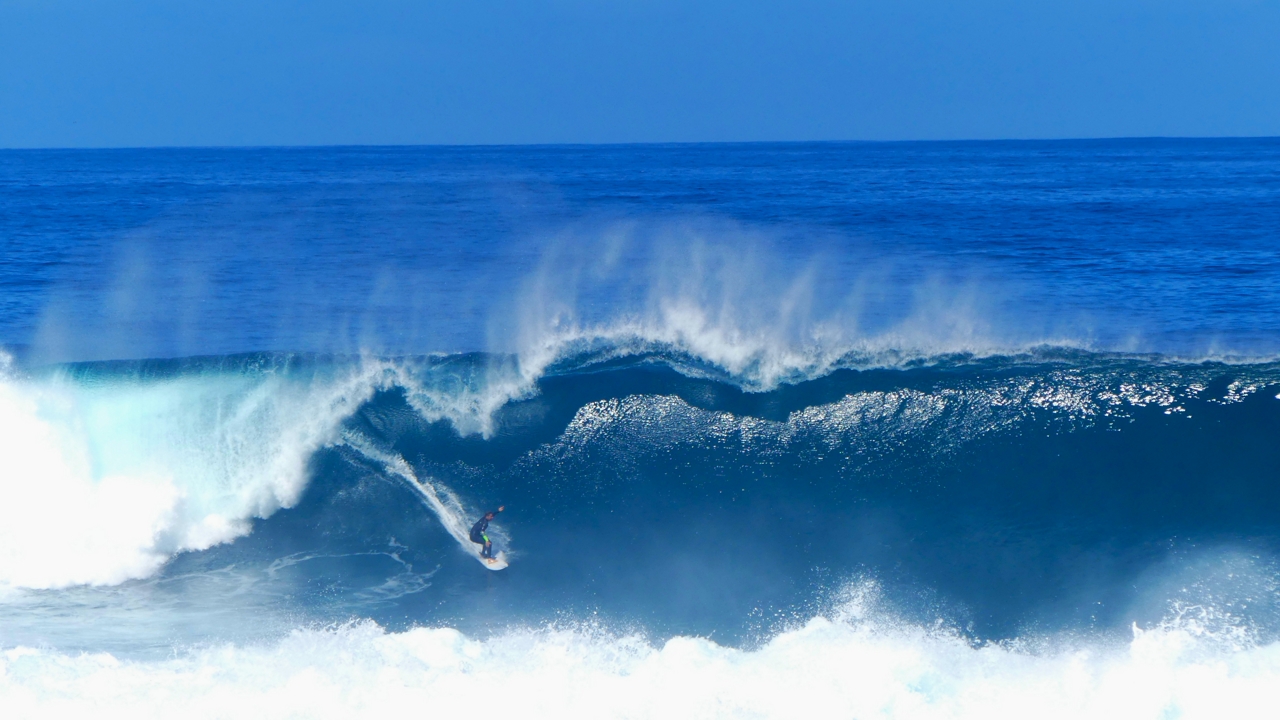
[478, 536]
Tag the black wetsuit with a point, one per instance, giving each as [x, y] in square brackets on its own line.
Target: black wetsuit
[478, 536]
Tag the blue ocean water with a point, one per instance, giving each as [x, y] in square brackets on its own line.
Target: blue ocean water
[862, 430]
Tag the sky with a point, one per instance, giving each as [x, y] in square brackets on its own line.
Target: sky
[133, 73]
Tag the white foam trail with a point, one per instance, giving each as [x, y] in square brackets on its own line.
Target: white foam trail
[849, 664]
[442, 501]
[103, 481]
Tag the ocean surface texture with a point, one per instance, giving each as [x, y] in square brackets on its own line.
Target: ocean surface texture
[934, 430]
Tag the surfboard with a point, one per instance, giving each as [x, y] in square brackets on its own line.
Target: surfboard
[498, 563]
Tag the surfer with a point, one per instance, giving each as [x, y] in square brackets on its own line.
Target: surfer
[479, 536]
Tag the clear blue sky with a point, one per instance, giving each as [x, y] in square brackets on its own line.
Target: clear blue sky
[77, 73]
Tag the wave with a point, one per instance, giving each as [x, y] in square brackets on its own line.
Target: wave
[854, 660]
[113, 468]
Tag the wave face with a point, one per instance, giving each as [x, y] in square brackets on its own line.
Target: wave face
[923, 431]
[1003, 493]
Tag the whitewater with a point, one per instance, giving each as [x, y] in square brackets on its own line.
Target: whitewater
[875, 431]
[844, 668]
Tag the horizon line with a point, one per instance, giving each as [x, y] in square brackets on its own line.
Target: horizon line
[664, 143]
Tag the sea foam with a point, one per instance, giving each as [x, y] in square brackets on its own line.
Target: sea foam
[845, 663]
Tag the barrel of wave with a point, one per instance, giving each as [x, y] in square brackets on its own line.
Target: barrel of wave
[104, 480]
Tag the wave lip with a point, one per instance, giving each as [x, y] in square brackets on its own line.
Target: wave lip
[759, 362]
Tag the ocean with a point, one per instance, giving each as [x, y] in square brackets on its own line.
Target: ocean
[856, 430]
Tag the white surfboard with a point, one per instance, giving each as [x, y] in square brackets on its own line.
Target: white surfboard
[498, 563]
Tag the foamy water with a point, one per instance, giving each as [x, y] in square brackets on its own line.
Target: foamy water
[846, 665]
